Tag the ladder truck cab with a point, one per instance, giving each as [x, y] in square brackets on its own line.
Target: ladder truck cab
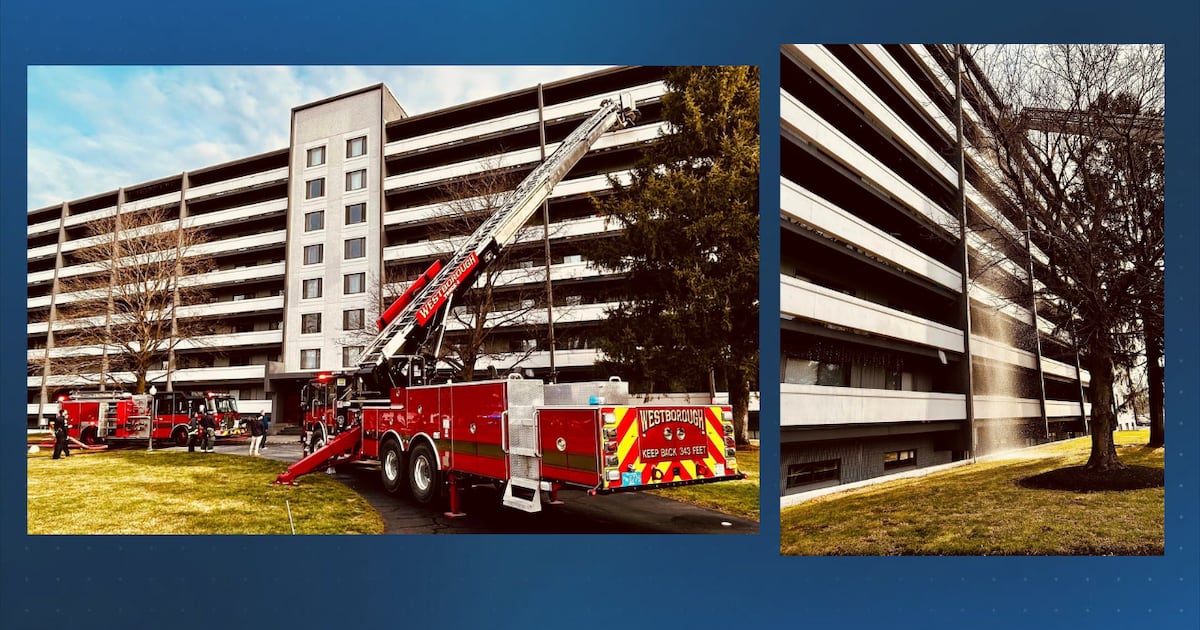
[522, 434]
[223, 408]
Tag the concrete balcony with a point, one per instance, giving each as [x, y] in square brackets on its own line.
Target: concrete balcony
[898, 77]
[585, 105]
[566, 188]
[803, 123]
[74, 220]
[540, 359]
[801, 206]
[988, 407]
[563, 230]
[623, 137]
[810, 301]
[817, 405]
[828, 66]
[246, 181]
[535, 316]
[240, 274]
[1002, 352]
[1066, 409]
[248, 373]
[234, 215]
[42, 228]
[233, 340]
[241, 243]
[151, 202]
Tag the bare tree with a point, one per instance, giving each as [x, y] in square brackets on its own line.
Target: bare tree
[122, 316]
[507, 297]
[1077, 146]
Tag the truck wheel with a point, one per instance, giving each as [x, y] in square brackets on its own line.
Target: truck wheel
[422, 473]
[317, 438]
[180, 436]
[391, 467]
[89, 436]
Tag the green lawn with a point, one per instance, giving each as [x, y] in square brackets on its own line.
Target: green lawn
[176, 492]
[979, 510]
[739, 498]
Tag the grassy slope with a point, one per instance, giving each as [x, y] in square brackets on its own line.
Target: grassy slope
[175, 492]
[979, 510]
[739, 498]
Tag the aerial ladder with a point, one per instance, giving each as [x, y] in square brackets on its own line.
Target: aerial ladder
[413, 327]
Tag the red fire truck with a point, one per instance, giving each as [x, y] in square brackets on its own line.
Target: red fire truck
[96, 417]
[522, 434]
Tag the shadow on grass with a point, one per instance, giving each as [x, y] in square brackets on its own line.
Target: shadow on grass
[1080, 479]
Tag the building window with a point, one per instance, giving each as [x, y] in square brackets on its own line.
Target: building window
[314, 188]
[354, 283]
[316, 156]
[352, 319]
[356, 213]
[350, 355]
[312, 288]
[356, 248]
[314, 220]
[899, 459]
[356, 180]
[310, 359]
[812, 473]
[313, 254]
[356, 147]
[806, 372]
[310, 323]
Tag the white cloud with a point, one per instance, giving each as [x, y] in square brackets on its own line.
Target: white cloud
[94, 129]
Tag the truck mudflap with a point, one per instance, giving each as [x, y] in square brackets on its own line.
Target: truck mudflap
[660, 447]
[344, 447]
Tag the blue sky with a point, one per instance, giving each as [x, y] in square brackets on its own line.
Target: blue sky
[96, 128]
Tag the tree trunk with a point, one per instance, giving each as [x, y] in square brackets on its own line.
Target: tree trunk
[1153, 330]
[739, 399]
[1104, 449]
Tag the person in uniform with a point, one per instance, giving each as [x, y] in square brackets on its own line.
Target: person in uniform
[208, 429]
[61, 438]
[193, 432]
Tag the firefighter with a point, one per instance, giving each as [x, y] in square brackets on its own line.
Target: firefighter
[208, 428]
[193, 432]
[61, 440]
[266, 424]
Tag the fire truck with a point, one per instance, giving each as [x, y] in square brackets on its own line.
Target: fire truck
[523, 435]
[96, 417]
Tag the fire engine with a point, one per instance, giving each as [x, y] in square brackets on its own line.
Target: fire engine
[96, 417]
[524, 435]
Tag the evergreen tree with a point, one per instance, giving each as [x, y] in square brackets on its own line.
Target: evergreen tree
[689, 242]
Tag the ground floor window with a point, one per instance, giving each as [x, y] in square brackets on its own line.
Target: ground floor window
[899, 459]
[813, 472]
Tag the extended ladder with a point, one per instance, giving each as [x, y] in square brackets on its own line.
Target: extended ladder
[496, 232]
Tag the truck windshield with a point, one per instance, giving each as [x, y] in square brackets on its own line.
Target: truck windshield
[222, 404]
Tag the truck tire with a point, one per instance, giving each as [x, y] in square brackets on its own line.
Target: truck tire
[180, 436]
[391, 466]
[89, 436]
[317, 438]
[422, 473]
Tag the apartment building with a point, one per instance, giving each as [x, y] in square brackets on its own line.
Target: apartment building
[305, 238]
[910, 336]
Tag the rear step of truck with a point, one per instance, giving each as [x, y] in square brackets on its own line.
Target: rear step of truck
[324, 457]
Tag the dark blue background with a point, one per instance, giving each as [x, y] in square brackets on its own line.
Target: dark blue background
[586, 581]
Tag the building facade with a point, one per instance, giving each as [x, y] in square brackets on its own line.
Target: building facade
[910, 334]
[308, 241]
